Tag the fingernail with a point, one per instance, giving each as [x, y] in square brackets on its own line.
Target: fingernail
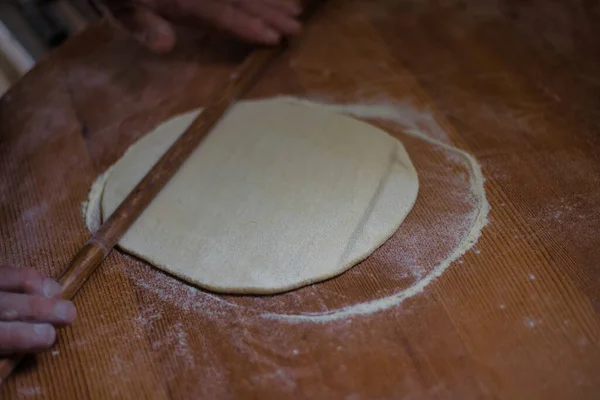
[64, 311]
[51, 288]
[44, 333]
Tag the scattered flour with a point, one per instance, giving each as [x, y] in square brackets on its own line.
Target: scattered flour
[174, 291]
[30, 392]
[176, 340]
[33, 213]
[530, 322]
[189, 298]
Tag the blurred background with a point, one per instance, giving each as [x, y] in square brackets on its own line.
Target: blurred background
[30, 28]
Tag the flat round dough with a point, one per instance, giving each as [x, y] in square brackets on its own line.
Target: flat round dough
[280, 194]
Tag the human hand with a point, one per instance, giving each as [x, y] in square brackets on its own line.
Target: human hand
[28, 311]
[257, 21]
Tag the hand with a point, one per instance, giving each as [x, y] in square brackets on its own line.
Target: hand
[257, 21]
[28, 311]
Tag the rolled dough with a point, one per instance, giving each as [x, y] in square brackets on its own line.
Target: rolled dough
[281, 194]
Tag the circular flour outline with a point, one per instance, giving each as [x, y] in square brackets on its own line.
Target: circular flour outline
[476, 186]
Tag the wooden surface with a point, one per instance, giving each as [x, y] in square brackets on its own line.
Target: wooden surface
[516, 84]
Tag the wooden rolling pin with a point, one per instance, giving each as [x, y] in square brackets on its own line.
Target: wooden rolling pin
[91, 255]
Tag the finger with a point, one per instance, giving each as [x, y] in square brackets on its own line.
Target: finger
[24, 307]
[27, 280]
[147, 27]
[22, 337]
[226, 16]
[274, 17]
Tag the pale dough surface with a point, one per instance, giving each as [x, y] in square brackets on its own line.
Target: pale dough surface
[279, 195]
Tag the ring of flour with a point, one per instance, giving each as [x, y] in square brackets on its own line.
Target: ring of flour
[478, 221]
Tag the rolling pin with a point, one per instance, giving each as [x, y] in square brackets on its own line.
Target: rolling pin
[97, 248]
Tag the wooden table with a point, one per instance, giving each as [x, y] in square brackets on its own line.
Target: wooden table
[516, 84]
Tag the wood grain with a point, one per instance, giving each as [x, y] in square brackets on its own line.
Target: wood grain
[514, 83]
